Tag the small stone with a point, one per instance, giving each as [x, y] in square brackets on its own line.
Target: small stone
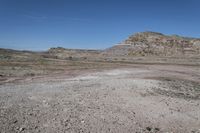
[21, 129]
[157, 129]
[148, 128]
[15, 121]
[30, 114]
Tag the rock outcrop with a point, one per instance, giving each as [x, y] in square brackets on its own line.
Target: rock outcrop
[156, 44]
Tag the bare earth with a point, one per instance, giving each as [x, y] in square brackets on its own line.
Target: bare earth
[141, 98]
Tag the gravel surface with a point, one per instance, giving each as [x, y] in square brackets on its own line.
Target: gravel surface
[140, 99]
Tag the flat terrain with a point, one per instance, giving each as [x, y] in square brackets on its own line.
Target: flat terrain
[130, 98]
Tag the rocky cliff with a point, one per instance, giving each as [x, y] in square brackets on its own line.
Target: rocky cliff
[156, 44]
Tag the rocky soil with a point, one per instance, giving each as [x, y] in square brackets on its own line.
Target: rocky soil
[141, 98]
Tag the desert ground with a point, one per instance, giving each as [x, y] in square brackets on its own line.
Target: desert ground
[113, 98]
[150, 83]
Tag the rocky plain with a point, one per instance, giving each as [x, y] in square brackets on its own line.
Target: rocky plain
[148, 83]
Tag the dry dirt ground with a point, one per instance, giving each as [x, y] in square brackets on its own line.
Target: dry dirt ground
[140, 98]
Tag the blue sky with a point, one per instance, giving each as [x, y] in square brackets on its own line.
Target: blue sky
[93, 24]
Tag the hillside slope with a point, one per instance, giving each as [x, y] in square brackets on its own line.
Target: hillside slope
[156, 44]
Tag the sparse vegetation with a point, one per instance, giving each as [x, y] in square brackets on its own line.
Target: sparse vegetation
[151, 85]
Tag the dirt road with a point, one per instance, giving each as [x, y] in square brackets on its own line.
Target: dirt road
[138, 99]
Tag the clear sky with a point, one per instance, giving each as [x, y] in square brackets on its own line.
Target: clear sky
[93, 24]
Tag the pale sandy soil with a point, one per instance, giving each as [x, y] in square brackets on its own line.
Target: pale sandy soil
[154, 98]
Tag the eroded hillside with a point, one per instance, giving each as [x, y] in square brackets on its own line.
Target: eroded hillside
[156, 44]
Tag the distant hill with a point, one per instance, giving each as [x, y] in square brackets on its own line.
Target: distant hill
[155, 44]
[64, 53]
[144, 44]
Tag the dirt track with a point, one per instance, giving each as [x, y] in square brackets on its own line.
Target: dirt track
[138, 99]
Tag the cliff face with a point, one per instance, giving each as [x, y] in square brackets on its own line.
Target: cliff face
[156, 44]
